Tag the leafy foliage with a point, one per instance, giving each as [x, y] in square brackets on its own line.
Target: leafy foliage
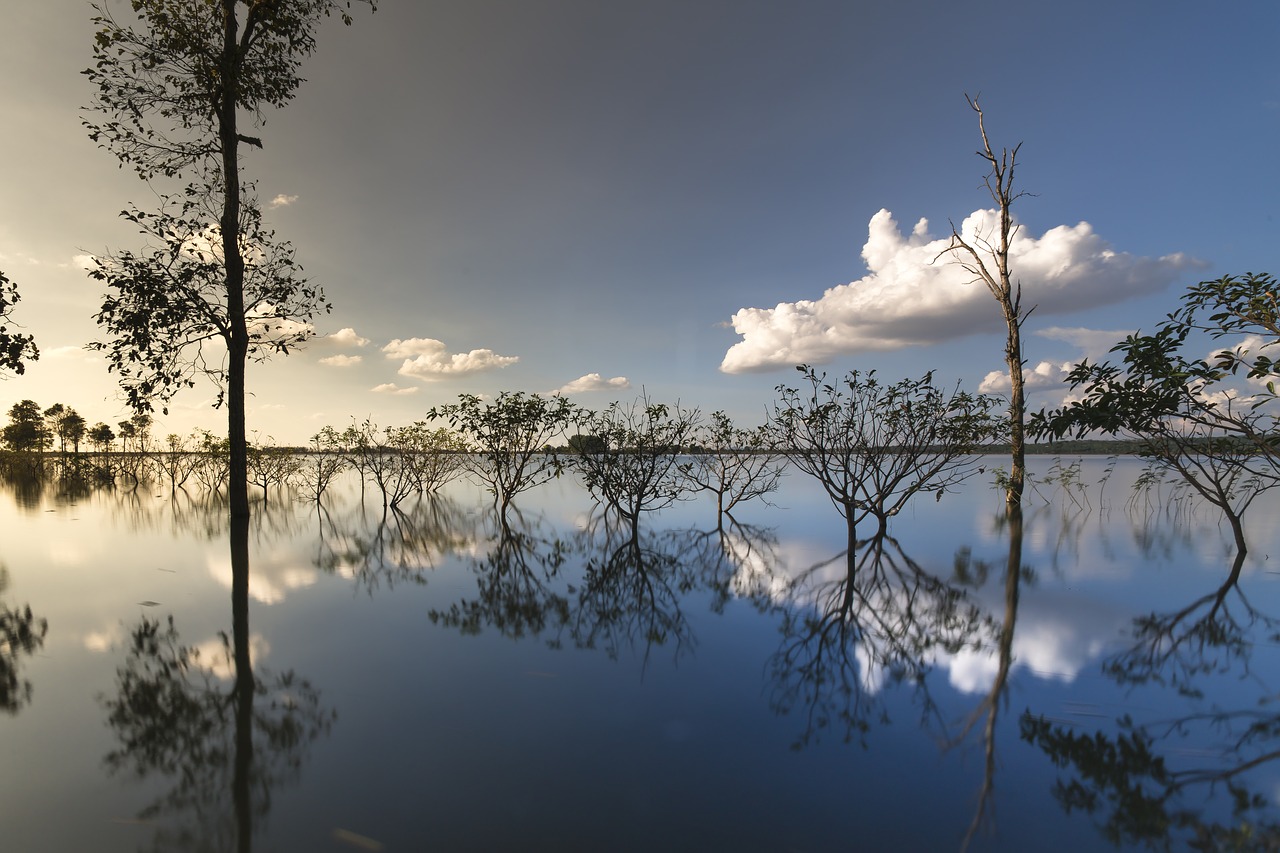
[167, 303]
[506, 438]
[1224, 444]
[15, 348]
[636, 470]
[873, 446]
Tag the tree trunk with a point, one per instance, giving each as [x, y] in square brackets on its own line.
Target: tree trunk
[238, 333]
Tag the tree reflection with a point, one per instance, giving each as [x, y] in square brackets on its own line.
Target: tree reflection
[633, 582]
[399, 546]
[516, 583]
[1127, 780]
[734, 561]
[879, 621]
[1149, 782]
[988, 711]
[223, 736]
[21, 633]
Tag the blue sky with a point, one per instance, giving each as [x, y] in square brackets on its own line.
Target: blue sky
[677, 196]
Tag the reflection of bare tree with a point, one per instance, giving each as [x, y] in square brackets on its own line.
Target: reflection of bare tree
[225, 737]
[398, 544]
[993, 702]
[21, 633]
[879, 621]
[516, 591]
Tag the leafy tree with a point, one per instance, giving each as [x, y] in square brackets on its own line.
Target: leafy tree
[506, 438]
[638, 470]
[72, 428]
[170, 87]
[735, 465]
[986, 257]
[1185, 410]
[101, 436]
[15, 348]
[874, 446]
[25, 430]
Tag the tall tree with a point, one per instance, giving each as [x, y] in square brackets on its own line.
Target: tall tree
[986, 257]
[171, 88]
[14, 347]
[25, 430]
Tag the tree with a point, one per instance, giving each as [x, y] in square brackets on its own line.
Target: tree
[874, 446]
[734, 464]
[14, 347]
[72, 428]
[25, 430]
[101, 436]
[638, 470]
[1186, 411]
[506, 439]
[986, 257]
[171, 87]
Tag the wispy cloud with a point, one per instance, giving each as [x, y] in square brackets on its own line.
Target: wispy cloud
[429, 359]
[392, 388]
[341, 360]
[913, 295]
[593, 382]
[282, 200]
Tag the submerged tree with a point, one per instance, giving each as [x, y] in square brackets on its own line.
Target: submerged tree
[506, 439]
[874, 446]
[734, 464]
[172, 87]
[634, 469]
[1185, 410]
[15, 348]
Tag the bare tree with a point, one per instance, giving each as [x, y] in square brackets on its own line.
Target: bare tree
[986, 258]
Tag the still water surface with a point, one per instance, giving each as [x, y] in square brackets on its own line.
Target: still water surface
[427, 681]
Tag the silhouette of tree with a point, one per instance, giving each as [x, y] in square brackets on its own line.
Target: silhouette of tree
[170, 87]
[15, 348]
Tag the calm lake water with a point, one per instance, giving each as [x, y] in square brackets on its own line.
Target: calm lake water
[425, 682]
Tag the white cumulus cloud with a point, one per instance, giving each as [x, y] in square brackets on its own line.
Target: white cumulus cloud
[429, 359]
[341, 360]
[914, 294]
[283, 200]
[346, 338]
[594, 382]
[1046, 374]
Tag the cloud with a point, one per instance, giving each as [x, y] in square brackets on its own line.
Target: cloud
[282, 200]
[1046, 374]
[392, 388]
[428, 359]
[594, 382]
[912, 296]
[346, 338]
[1094, 344]
[341, 360]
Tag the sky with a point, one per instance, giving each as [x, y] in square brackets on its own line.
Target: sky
[680, 198]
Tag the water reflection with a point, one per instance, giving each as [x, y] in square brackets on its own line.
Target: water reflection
[398, 544]
[854, 627]
[517, 589]
[988, 711]
[632, 590]
[223, 737]
[21, 634]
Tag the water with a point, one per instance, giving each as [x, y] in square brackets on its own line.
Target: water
[424, 681]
